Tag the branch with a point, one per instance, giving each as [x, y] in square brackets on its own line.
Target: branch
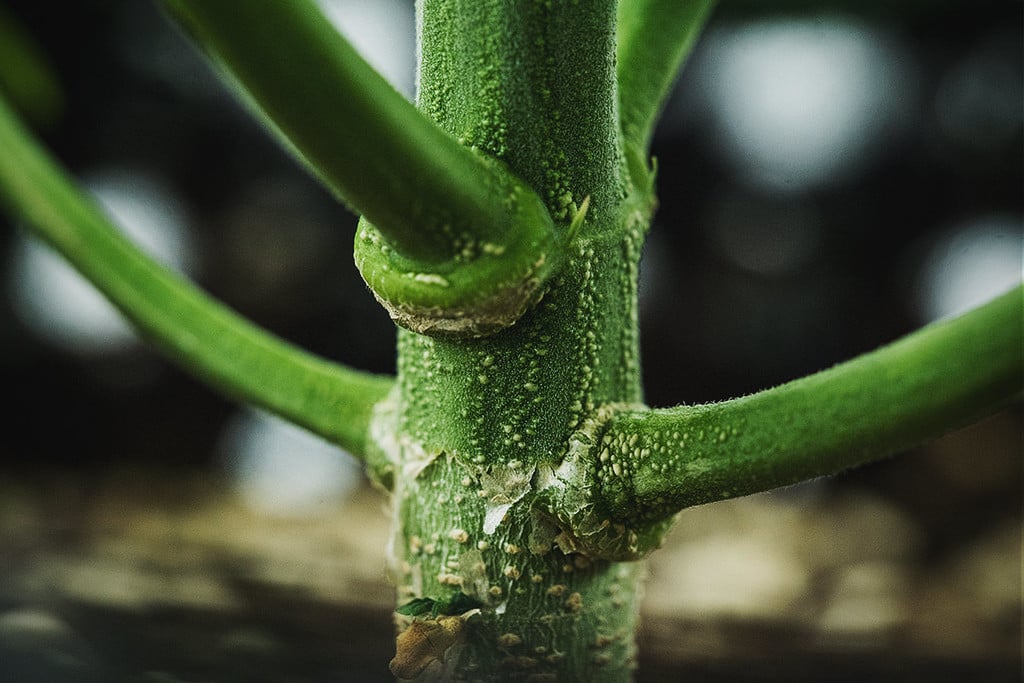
[455, 237]
[653, 463]
[201, 335]
[654, 39]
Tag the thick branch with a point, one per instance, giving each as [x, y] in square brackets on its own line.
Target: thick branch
[654, 39]
[200, 334]
[451, 229]
[533, 84]
[652, 463]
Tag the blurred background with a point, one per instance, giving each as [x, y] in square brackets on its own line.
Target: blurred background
[832, 175]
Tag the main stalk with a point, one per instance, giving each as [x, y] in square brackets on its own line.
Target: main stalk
[476, 426]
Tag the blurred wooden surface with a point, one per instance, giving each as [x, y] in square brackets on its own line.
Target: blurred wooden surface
[160, 577]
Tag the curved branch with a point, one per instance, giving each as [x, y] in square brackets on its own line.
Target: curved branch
[654, 39]
[652, 463]
[451, 229]
[201, 335]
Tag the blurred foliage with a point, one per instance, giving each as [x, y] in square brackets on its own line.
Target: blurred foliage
[904, 11]
[26, 76]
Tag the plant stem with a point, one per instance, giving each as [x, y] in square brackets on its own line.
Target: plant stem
[652, 463]
[457, 245]
[474, 422]
[201, 335]
[654, 39]
[536, 89]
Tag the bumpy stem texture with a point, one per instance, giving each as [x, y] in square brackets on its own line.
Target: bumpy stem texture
[476, 425]
[532, 84]
[474, 430]
[652, 463]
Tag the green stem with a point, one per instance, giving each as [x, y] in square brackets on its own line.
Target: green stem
[203, 336]
[475, 424]
[536, 89]
[652, 463]
[454, 237]
[654, 39]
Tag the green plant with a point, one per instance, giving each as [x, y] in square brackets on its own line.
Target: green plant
[503, 232]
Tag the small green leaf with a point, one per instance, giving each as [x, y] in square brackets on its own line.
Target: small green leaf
[417, 606]
[459, 603]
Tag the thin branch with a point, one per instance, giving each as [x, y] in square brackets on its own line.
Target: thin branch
[654, 39]
[201, 335]
[653, 463]
[430, 200]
